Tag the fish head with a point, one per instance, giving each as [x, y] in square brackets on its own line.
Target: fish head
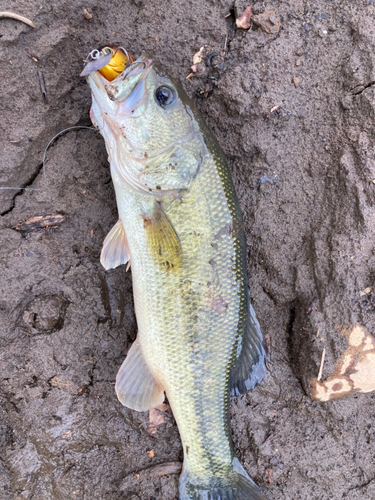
[147, 119]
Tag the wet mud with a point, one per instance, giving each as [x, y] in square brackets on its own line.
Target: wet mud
[292, 102]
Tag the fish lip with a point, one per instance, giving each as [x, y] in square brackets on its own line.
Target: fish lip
[99, 80]
[144, 60]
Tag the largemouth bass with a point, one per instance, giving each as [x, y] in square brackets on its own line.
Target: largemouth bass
[180, 227]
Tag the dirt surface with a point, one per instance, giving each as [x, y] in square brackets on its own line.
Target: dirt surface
[294, 112]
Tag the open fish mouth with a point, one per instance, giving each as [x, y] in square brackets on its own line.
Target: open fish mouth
[109, 61]
[107, 68]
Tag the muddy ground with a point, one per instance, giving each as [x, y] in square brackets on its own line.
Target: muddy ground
[297, 106]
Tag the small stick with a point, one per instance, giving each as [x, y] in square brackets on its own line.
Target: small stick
[163, 469]
[42, 85]
[321, 365]
[268, 438]
[17, 17]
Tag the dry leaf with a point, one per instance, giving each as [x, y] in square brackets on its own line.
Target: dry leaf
[269, 474]
[40, 222]
[156, 418]
[197, 58]
[366, 291]
[355, 370]
[244, 21]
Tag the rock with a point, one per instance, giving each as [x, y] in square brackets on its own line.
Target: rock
[268, 22]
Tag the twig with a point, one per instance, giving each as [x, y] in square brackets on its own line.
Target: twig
[12, 15]
[164, 469]
[225, 43]
[42, 85]
[321, 365]
[40, 222]
[268, 438]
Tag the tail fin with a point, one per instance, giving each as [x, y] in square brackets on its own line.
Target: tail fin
[237, 485]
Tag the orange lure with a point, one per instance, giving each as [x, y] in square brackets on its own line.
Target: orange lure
[109, 61]
[116, 65]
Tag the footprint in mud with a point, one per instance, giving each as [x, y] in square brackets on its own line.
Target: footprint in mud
[45, 314]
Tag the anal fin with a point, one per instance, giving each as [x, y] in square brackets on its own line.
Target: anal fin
[115, 249]
[250, 367]
[136, 386]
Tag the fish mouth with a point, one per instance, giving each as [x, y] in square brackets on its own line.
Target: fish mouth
[110, 61]
[134, 72]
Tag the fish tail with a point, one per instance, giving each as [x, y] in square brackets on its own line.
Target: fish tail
[235, 485]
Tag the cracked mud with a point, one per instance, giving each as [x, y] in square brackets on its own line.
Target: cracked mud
[294, 112]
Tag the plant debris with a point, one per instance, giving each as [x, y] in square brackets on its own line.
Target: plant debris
[87, 14]
[198, 66]
[42, 85]
[157, 416]
[355, 370]
[244, 21]
[17, 17]
[40, 222]
[164, 469]
[269, 474]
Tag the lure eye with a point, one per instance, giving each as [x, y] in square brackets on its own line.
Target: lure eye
[165, 96]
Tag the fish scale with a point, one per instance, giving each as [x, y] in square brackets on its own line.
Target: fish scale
[198, 338]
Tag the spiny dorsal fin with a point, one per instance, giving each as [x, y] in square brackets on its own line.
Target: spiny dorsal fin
[136, 387]
[162, 240]
[115, 249]
[250, 367]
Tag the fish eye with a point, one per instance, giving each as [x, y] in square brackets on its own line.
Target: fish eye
[165, 95]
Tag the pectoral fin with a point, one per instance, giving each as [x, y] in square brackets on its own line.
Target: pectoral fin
[136, 387]
[162, 240]
[115, 249]
[250, 367]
